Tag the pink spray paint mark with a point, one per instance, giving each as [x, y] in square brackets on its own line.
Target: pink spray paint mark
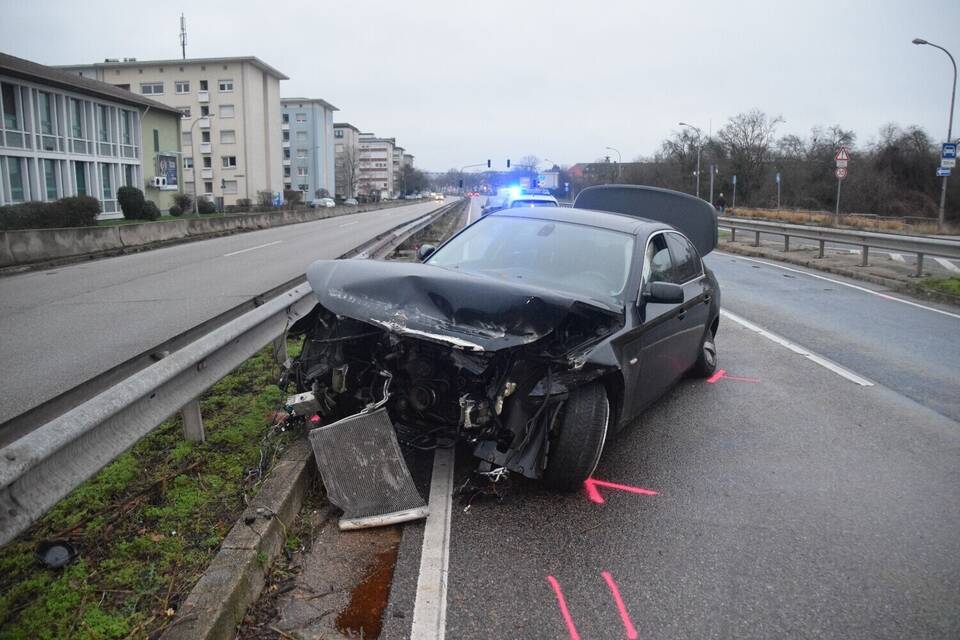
[624, 615]
[722, 375]
[564, 611]
[591, 484]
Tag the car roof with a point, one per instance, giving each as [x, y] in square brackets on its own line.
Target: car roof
[535, 196]
[602, 219]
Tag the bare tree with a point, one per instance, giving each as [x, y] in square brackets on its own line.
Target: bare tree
[747, 138]
[348, 171]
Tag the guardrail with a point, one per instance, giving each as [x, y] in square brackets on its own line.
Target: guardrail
[41, 467]
[919, 245]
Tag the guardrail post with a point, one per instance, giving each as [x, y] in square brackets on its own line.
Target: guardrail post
[733, 234]
[822, 243]
[280, 349]
[919, 265]
[756, 242]
[192, 422]
[786, 244]
[866, 253]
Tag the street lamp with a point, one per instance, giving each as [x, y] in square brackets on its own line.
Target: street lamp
[953, 93]
[619, 160]
[193, 151]
[699, 149]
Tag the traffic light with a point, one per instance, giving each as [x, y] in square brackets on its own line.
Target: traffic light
[461, 184]
[488, 164]
[508, 163]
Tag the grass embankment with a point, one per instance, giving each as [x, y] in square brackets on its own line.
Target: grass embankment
[148, 524]
[950, 286]
[847, 221]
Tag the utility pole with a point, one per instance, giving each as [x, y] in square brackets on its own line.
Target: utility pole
[183, 36]
[699, 150]
[953, 92]
[619, 161]
[778, 190]
[713, 172]
[734, 204]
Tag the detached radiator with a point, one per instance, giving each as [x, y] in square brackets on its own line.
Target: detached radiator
[364, 471]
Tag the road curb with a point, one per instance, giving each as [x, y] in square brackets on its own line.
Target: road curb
[812, 263]
[235, 577]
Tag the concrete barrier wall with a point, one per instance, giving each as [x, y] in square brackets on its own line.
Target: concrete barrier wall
[41, 245]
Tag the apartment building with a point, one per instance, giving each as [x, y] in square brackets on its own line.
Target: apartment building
[376, 176]
[63, 135]
[346, 146]
[397, 158]
[307, 142]
[230, 108]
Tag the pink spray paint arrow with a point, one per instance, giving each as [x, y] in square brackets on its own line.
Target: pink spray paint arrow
[593, 493]
[722, 375]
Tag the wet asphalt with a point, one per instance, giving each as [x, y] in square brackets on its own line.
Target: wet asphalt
[797, 505]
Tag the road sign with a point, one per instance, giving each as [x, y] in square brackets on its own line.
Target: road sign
[778, 178]
[842, 155]
[945, 163]
[734, 179]
[943, 172]
[841, 173]
[949, 151]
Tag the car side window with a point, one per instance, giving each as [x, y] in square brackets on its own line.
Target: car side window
[686, 260]
[657, 262]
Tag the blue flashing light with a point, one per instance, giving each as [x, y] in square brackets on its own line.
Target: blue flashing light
[515, 192]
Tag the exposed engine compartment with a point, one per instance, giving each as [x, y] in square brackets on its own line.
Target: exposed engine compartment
[436, 393]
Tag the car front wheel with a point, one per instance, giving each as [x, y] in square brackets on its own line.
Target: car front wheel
[578, 440]
[706, 364]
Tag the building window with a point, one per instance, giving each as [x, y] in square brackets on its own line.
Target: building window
[229, 162]
[125, 127]
[286, 172]
[76, 118]
[188, 163]
[301, 153]
[208, 187]
[225, 86]
[204, 111]
[286, 136]
[301, 136]
[50, 178]
[103, 123]
[303, 187]
[184, 112]
[228, 136]
[203, 85]
[229, 187]
[301, 118]
[226, 111]
[46, 113]
[207, 162]
[11, 119]
[182, 86]
[156, 141]
[186, 139]
[106, 178]
[80, 171]
[286, 118]
[338, 133]
[302, 171]
[15, 175]
[204, 136]
[129, 175]
[286, 154]
[151, 88]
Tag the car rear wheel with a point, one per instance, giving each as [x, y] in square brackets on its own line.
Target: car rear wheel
[706, 364]
[577, 443]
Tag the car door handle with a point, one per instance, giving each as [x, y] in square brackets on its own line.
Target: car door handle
[682, 315]
[707, 298]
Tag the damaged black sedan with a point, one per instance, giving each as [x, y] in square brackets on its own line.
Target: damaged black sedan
[528, 336]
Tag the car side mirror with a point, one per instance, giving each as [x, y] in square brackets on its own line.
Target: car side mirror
[662, 293]
[425, 251]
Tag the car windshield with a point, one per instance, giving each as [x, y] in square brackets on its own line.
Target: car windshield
[533, 203]
[588, 262]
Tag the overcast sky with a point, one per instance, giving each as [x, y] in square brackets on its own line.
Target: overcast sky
[459, 82]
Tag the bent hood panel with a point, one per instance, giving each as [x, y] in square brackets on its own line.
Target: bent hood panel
[470, 312]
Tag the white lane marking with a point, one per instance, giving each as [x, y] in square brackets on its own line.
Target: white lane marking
[259, 246]
[946, 264]
[879, 294]
[803, 351]
[896, 257]
[430, 606]
[347, 224]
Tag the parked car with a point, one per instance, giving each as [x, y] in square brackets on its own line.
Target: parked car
[534, 200]
[350, 202]
[319, 203]
[529, 336]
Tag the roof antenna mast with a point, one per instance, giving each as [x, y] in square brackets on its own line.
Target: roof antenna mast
[183, 36]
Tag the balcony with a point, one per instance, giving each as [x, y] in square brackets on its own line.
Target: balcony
[204, 123]
[285, 144]
[206, 174]
[203, 96]
[285, 126]
[206, 147]
[286, 162]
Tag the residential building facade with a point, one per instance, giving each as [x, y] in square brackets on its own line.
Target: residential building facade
[376, 166]
[346, 146]
[64, 135]
[230, 106]
[307, 146]
[397, 157]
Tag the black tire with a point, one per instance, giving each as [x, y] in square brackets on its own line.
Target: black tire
[706, 364]
[577, 442]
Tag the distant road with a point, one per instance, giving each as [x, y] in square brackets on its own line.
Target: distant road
[65, 325]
